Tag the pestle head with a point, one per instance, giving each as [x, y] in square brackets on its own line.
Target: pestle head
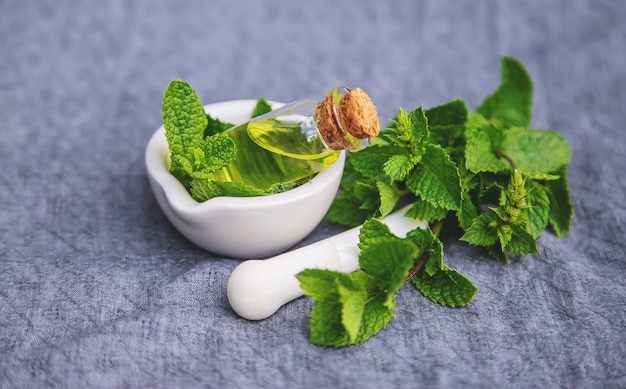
[253, 291]
[257, 288]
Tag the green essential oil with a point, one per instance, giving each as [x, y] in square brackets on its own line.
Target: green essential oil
[278, 150]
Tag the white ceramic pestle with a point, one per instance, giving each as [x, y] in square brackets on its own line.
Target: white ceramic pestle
[257, 288]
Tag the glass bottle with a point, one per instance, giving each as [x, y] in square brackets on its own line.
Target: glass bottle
[293, 143]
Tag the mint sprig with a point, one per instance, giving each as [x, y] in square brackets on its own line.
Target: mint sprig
[485, 176]
[350, 308]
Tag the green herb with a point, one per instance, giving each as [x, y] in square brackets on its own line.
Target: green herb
[350, 308]
[262, 107]
[485, 176]
[197, 146]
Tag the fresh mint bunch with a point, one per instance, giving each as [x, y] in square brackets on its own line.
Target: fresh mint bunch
[486, 175]
[350, 308]
[197, 146]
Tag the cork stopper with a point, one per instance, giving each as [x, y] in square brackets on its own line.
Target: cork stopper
[355, 116]
[358, 114]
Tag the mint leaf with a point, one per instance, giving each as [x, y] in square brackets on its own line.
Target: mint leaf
[432, 249]
[319, 283]
[387, 261]
[353, 297]
[504, 232]
[409, 130]
[202, 189]
[181, 168]
[423, 210]
[467, 212]
[437, 281]
[376, 315]
[183, 118]
[389, 196]
[538, 208]
[482, 231]
[344, 312]
[371, 161]
[218, 151]
[446, 287]
[398, 166]
[215, 126]
[236, 189]
[262, 107]
[480, 149]
[446, 122]
[362, 200]
[521, 241]
[368, 195]
[184, 121]
[536, 151]
[327, 317]
[436, 179]
[372, 230]
[422, 237]
[561, 207]
[511, 103]
[418, 131]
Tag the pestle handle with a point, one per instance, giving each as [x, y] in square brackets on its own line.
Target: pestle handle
[257, 288]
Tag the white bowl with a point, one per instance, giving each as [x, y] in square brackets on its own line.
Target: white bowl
[241, 227]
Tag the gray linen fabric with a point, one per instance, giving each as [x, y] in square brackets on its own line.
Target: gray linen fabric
[97, 289]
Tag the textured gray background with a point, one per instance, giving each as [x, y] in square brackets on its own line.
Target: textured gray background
[97, 289]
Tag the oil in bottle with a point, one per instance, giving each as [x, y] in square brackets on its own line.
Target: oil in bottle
[293, 143]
